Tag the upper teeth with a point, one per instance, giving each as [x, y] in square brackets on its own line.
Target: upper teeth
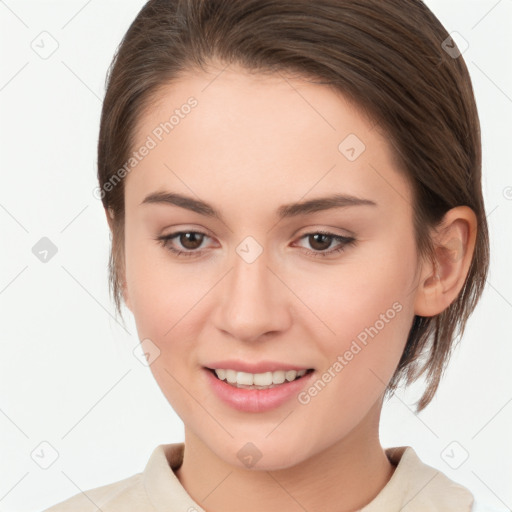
[258, 379]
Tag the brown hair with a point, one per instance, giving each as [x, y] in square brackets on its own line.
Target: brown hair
[388, 57]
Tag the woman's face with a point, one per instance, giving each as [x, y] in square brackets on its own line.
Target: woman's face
[260, 288]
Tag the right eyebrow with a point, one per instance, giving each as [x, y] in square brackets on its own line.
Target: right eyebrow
[284, 211]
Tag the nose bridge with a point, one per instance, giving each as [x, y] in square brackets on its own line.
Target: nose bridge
[253, 300]
[250, 274]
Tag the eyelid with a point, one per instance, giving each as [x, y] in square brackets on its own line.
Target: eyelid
[343, 242]
[325, 229]
[187, 228]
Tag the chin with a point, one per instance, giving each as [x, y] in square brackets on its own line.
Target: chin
[260, 453]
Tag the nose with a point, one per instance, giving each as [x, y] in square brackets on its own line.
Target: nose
[253, 300]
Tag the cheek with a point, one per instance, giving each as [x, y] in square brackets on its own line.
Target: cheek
[368, 307]
[365, 290]
[371, 330]
[160, 292]
[166, 305]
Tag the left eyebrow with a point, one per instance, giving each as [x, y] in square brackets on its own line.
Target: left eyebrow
[284, 211]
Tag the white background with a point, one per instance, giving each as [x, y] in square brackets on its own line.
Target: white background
[68, 375]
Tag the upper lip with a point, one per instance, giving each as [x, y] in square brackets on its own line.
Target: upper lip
[254, 367]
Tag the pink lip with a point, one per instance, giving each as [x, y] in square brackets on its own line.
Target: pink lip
[255, 400]
[261, 367]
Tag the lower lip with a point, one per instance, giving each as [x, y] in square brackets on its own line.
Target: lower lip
[256, 400]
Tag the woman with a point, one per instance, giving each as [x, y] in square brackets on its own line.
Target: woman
[294, 195]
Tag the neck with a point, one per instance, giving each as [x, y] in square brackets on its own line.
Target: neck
[342, 478]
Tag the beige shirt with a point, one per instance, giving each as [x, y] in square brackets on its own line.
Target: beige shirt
[413, 487]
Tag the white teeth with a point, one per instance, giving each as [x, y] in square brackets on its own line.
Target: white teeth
[290, 375]
[230, 376]
[245, 378]
[221, 374]
[242, 379]
[278, 377]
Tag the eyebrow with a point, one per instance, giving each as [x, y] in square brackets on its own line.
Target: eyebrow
[284, 211]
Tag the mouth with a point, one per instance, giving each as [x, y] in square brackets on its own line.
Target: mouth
[266, 380]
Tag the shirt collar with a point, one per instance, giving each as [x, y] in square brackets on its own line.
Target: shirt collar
[413, 487]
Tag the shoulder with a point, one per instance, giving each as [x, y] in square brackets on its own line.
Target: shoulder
[156, 484]
[436, 487]
[110, 497]
[423, 485]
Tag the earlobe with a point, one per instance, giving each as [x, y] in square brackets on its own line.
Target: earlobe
[442, 279]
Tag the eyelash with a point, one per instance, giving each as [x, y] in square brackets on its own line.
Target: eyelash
[343, 240]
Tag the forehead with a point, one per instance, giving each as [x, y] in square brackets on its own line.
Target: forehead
[234, 132]
[234, 101]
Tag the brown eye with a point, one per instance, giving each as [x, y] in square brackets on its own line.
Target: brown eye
[320, 241]
[183, 243]
[191, 240]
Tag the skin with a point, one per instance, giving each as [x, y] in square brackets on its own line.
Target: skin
[252, 144]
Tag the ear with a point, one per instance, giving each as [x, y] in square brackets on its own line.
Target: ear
[109, 213]
[441, 280]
